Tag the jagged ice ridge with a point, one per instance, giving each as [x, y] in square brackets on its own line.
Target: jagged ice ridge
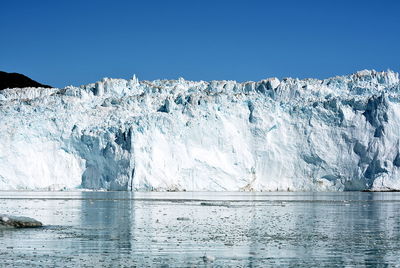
[336, 134]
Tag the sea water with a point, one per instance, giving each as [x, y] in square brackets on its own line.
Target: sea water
[202, 229]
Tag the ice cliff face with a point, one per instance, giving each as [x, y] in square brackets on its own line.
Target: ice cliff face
[341, 133]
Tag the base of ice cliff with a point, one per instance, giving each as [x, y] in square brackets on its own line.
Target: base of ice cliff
[337, 134]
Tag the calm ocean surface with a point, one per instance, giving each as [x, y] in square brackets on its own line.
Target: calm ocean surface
[202, 229]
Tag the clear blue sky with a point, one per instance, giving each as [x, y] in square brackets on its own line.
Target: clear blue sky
[78, 42]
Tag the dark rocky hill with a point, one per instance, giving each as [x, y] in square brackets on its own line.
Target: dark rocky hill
[12, 80]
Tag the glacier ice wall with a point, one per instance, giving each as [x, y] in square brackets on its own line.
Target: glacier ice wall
[336, 134]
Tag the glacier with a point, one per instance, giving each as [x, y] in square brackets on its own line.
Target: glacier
[336, 134]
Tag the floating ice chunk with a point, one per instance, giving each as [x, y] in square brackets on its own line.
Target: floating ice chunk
[18, 222]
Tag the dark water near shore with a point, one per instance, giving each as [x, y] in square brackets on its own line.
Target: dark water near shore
[124, 229]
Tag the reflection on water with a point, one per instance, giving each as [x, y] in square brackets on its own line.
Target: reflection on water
[125, 229]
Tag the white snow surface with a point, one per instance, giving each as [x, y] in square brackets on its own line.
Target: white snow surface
[336, 134]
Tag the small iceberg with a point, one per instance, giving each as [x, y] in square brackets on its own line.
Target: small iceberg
[18, 222]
